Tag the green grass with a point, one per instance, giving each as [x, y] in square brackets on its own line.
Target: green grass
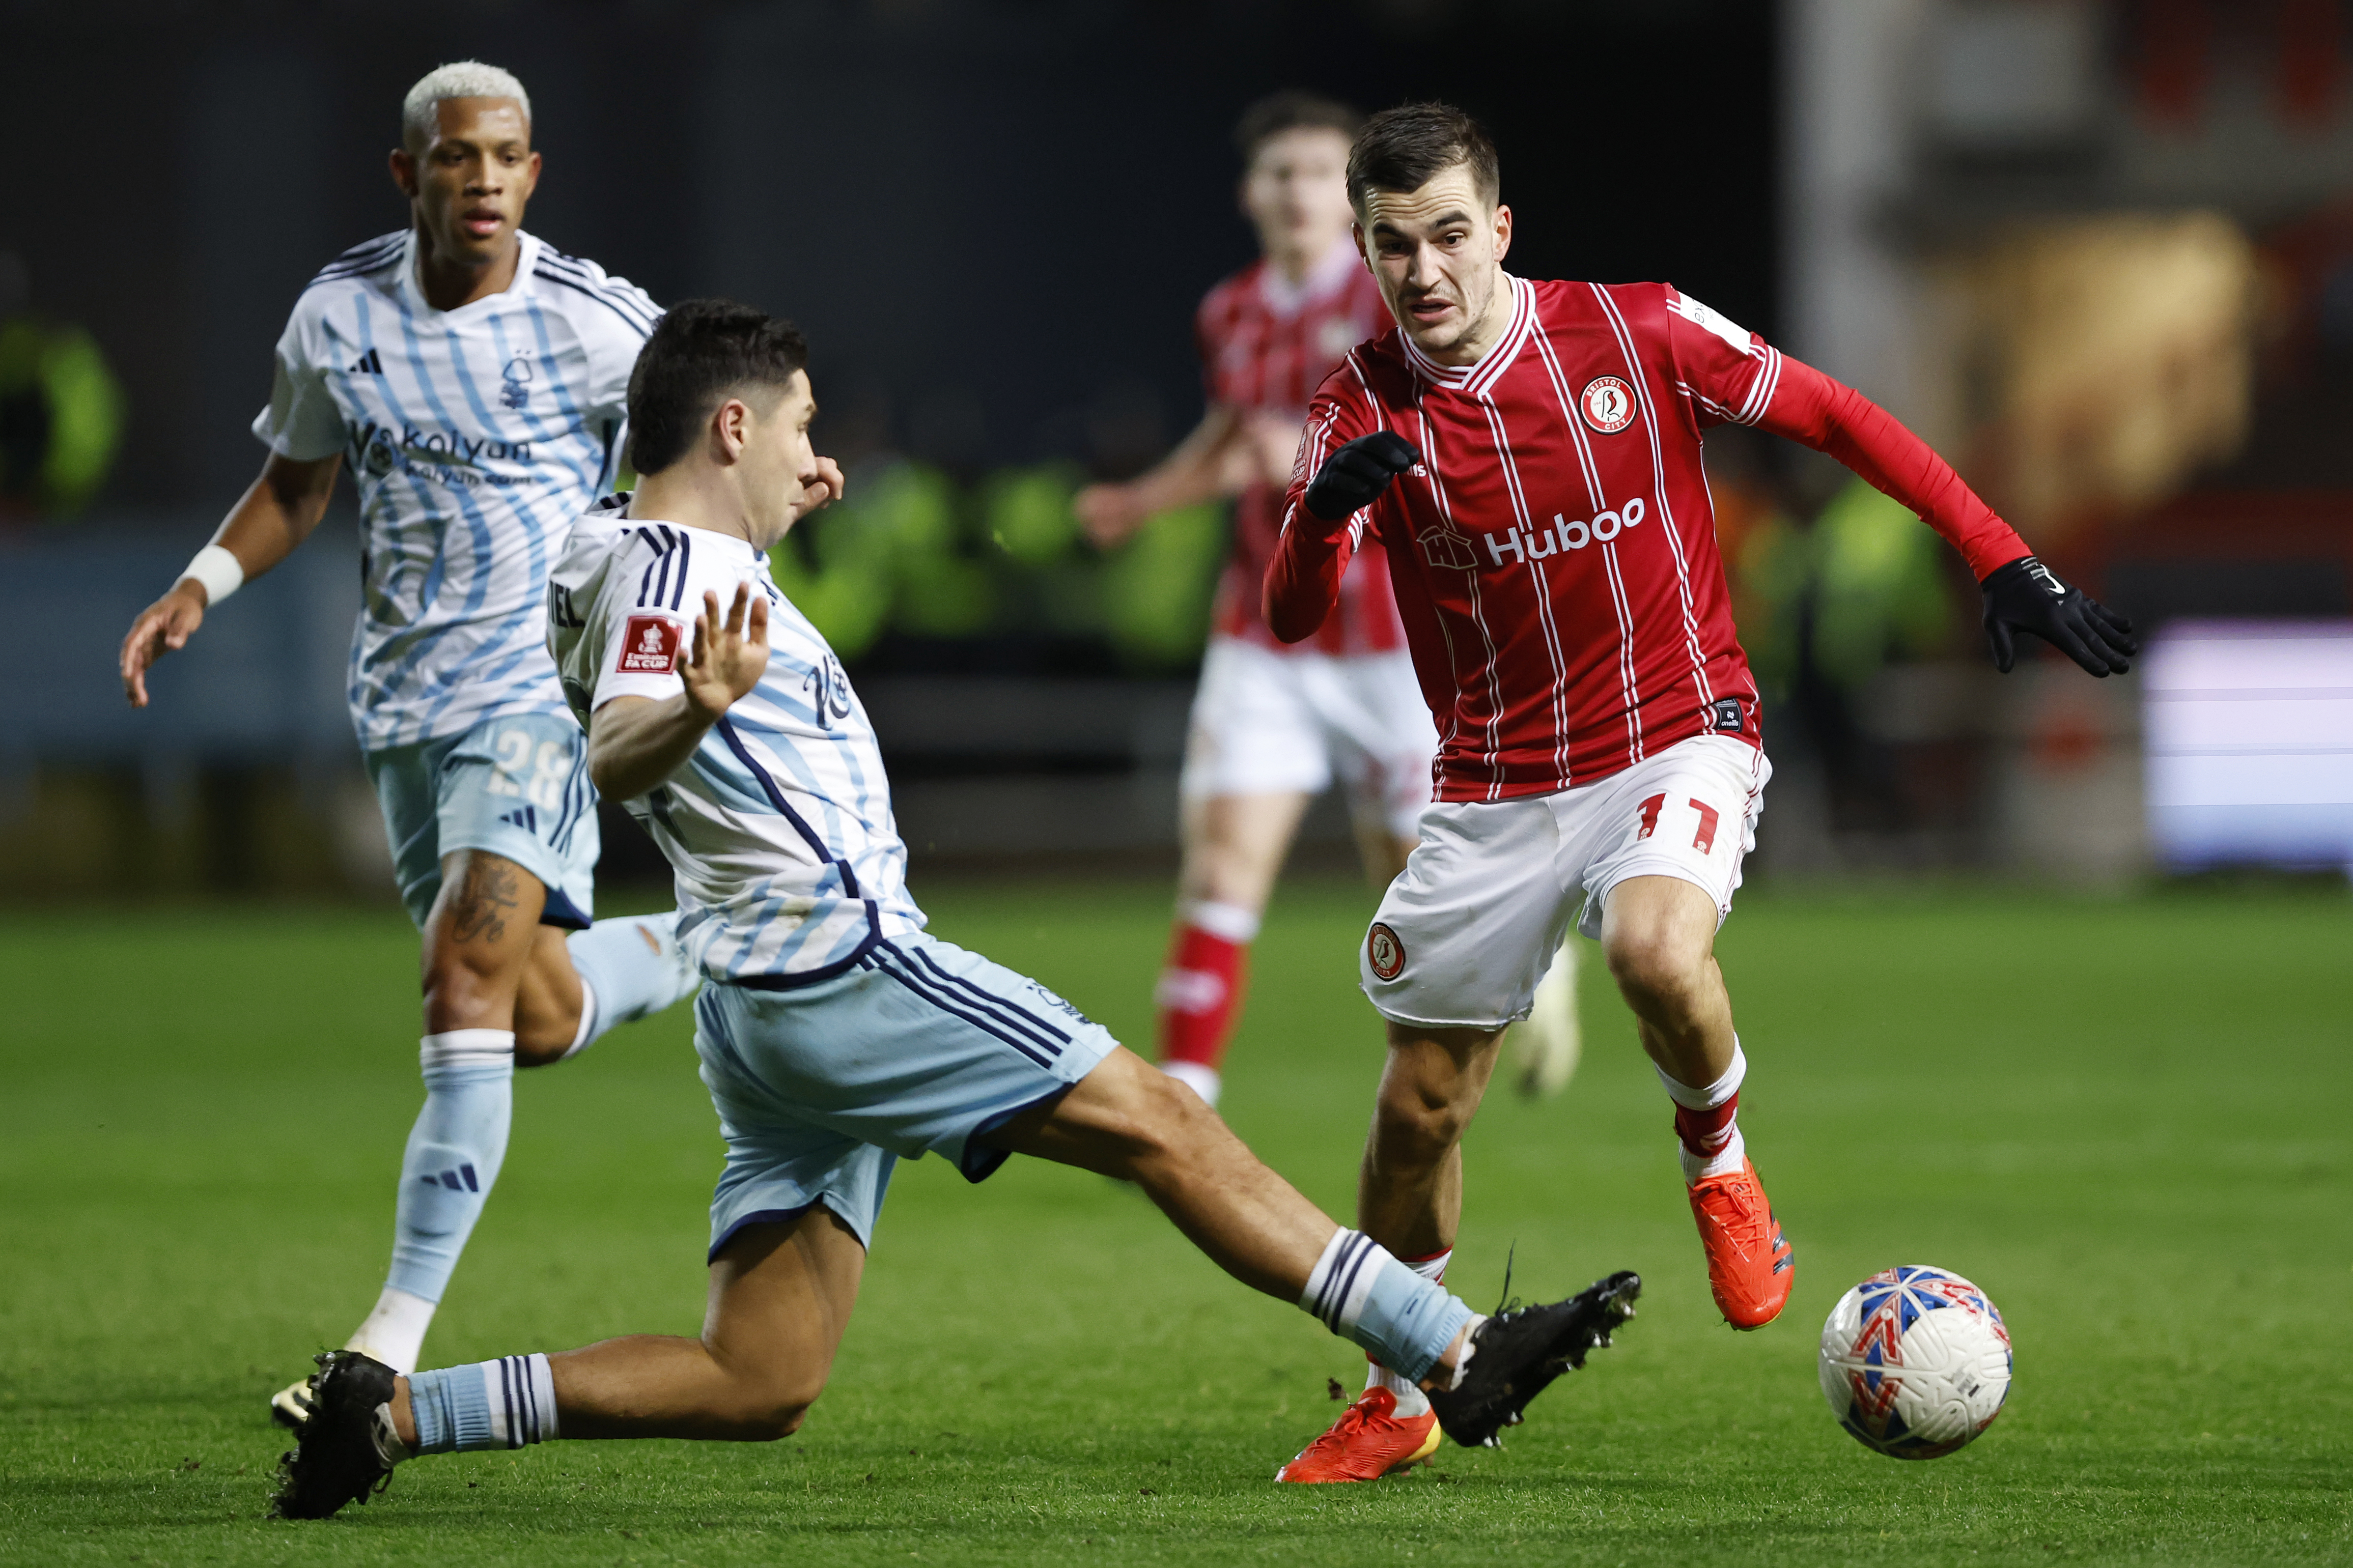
[2126, 1119]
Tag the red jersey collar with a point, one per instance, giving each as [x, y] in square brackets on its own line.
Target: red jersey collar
[1482, 374]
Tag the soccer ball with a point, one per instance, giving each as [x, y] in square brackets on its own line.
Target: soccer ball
[1916, 1362]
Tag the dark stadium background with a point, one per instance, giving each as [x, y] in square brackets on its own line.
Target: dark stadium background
[992, 219]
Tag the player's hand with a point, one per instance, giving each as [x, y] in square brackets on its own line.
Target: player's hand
[825, 490]
[1108, 513]
[726, 658]
[161, 627]
[1353, 478]
[2023, 596]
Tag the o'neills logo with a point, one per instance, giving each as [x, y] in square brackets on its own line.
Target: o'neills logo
[1523, 543]
[1384, 952]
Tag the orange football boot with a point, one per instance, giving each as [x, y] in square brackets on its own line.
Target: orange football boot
[1749, 1265]
[1368, 1441]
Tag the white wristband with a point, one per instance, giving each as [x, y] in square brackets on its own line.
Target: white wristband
[218, 571]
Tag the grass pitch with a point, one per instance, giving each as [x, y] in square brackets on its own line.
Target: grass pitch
[2126, 1119]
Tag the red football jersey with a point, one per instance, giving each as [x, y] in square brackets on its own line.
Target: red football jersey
[1266, 344]
[1554, 551]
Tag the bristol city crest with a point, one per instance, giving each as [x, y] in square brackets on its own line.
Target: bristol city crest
[1607, 404]
[1384, 952]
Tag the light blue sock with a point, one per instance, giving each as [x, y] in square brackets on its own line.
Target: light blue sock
[1403, 1320]
[631, 968]
[454, 1153]
[502, 1404]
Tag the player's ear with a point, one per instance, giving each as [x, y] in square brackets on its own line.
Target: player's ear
[404, 172]
[1356, 238]
[731, 427]
[1503, 231]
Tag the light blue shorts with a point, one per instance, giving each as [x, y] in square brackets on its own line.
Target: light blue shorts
[516, 787]
[919, 1047]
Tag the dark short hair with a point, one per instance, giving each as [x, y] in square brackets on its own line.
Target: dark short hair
[1292, 109]
[1402, 149]
[701, 351]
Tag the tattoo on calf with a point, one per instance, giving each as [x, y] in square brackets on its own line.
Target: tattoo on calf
[485, 898]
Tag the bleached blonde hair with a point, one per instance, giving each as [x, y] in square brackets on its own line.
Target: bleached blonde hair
[460, 79]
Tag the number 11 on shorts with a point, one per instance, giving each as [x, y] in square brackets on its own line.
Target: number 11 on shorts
[1704, 840]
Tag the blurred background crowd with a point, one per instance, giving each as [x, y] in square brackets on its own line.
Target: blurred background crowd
[2099, 252]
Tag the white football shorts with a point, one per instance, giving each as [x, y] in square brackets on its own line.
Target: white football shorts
[1272, 723]
[1468, 927]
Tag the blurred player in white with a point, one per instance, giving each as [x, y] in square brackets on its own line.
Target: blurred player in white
[836, 1036]
[1274, 725]
[476, 379]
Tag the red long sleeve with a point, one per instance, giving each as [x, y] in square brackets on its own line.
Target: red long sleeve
[1303, 581]
[1816, 411]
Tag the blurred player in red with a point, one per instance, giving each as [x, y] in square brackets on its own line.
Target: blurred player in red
[1527, 455]
[1271, 726]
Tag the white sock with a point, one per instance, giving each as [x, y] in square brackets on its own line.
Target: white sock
[395, 1333]
[586, 1036]
[1723, 1163]
[1410, 1400]
[1728, 1159]
[1201, 1079]
[1226, 923]
[632, 967]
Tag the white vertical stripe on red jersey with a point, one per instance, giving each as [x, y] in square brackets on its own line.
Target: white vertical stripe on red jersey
[1702, 692]
[1523, 520]
[1493, 727]
[1626, 676]
[1595, 496]
[1582, 444]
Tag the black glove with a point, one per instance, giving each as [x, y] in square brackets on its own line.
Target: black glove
[1353, 478]
[2023, 596]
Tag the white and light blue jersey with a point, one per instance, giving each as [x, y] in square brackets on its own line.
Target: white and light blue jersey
[789, 867]
[475, 437]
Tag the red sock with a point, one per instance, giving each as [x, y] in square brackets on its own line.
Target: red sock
[1705, 1132]
[1200, 990]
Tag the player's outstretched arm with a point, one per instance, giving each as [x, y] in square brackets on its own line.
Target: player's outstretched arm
[1303, 581]
[276, 513]
[636, 743]
[2021, 593]
[1202, 467]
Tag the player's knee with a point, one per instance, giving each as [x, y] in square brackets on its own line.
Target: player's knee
[767, 1408]
[775, 1421]
[1418, 1125]
[466, 989]
[1165, 1118]
[1655, 964]
[457, 996]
